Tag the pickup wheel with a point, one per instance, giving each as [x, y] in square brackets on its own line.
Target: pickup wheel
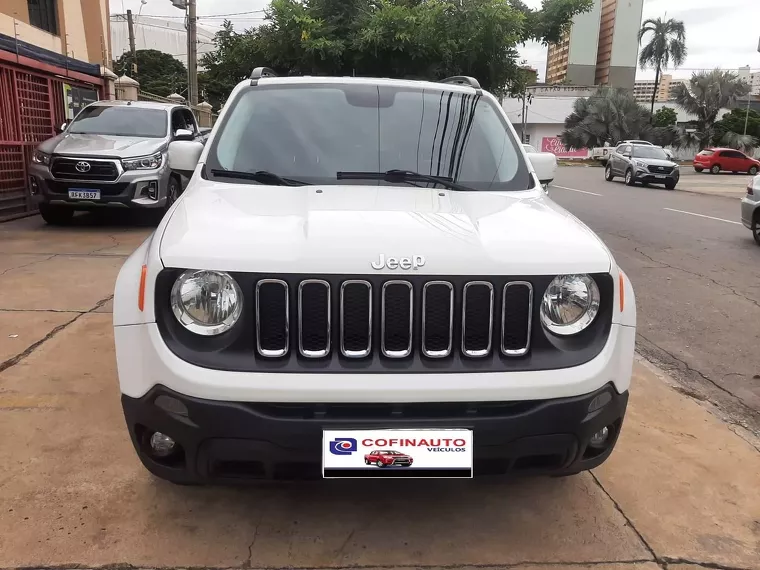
[379, 463]
[629, 178]
[715, 169]
[367, 461]
[56, 215]
[608, 176]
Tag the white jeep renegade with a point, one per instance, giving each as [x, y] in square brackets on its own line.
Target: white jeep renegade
[368, 253]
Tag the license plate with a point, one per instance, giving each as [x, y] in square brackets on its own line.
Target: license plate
[397, 453]
[84, 194]
[659, 176]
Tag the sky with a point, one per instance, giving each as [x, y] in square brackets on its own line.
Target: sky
[719, 33]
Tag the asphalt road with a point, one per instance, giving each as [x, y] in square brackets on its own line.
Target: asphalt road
[696, 274]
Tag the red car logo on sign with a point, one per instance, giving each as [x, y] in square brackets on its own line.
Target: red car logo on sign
[387, 458]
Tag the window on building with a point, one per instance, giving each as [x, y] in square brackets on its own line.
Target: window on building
[42, 14]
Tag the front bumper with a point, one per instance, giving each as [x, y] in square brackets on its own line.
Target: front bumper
[653, 178]
[227, 442]
[748, 208]
[130, 190]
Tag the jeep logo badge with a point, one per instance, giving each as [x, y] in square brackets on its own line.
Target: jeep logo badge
[414, 262]
[82, 166]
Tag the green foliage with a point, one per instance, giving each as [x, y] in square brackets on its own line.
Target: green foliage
[429, 39]
[157, 72]
[665, 117]
[667, 43]
[705, 94]
[609, 116]
[733, 122]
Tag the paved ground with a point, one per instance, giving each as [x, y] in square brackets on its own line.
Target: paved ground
[680, 490]
[696, 273]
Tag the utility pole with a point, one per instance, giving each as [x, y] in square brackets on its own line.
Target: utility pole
[131, 29]
[192, 54]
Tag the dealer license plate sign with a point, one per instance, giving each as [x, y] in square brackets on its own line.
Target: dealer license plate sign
[397, 453]
[80, 194]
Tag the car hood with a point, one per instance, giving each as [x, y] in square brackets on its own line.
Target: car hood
[655, 161]
[343, 229]
[101, 145]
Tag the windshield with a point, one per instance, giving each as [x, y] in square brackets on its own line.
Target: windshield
[120, 121]
[649, 152]
[312, 132]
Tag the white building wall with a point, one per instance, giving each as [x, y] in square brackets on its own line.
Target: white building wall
[625, 41]
[584, 36]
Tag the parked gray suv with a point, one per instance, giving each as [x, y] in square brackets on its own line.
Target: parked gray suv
[643, 163]
[112, 155]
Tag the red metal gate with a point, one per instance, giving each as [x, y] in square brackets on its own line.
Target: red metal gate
[31, 105]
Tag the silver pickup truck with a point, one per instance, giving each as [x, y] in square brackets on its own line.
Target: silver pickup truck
[112, 155]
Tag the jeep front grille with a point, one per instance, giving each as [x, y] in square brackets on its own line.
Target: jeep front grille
[428, 319]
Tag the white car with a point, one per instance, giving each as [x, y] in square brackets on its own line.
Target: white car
[545, 163]
[355, 252]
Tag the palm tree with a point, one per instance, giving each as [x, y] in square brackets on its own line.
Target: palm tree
[667, 44]
[611, 115]
[705, 94]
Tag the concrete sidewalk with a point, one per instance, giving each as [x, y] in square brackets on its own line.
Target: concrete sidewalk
[724, 184]
[681, 488]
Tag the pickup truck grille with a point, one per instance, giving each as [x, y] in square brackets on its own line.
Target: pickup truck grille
[470, 314]
[99, 170]
[660, 169]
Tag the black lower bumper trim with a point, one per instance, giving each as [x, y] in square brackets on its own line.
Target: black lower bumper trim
[219, 442]
[398, 472]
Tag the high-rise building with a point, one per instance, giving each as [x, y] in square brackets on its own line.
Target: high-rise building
[643, 88]
[753, 79]
[601, 47]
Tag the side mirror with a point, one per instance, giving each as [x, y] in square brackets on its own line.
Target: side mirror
[184, 135]
[184, 156]
[544, 165]
[59, 130]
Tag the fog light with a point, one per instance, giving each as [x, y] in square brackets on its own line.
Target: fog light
[33, 188]
[153, 190]
[599, 438]
[162, 445]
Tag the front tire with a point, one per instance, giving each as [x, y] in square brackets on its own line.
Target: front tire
[670, 185]
[173, 191]
[56, 215]
[629, 181]
[715, 169]
[698, 169]
[379, 463]
[756, 228]
[608, 176]
[752, 171]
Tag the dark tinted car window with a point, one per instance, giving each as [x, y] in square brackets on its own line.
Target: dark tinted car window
[311, 132]
[120, 121]
[649, 152]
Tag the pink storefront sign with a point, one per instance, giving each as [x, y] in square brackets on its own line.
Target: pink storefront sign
[554, 145]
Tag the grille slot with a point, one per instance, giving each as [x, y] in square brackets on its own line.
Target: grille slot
[437, 319]
[660, 169]
[272, 318]
[100, 170]
[477, 318]
[314, 318]
[396, 319]
[355, 318]
[516, 317]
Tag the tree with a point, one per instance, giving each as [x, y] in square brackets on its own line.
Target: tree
[429, 39]
[705, 94]
[158, 72]
[665, 117]
[609, 116]
[734, 122]
[667, 44]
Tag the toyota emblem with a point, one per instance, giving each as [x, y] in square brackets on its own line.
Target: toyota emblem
[83, 166]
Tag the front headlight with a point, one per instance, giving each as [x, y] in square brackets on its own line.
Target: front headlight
[639, 164]
[39, 157]
[570, 304]
[143, 163]
[207, 303]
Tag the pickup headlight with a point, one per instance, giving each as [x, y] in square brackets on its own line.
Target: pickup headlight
[39, 157]
[143, 162]
[570, 304]
[207, 303]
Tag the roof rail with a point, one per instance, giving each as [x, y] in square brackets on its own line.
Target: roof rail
[260, 72]
[463, 80]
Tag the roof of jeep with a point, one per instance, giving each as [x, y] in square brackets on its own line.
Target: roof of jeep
[138, 104]
[321, 80]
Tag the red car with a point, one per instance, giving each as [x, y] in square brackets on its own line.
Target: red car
[386, 457]
[717, 159]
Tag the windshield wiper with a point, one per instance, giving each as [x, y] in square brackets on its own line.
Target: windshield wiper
[404, 176]
[263, 176]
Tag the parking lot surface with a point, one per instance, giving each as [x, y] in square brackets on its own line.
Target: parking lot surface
[680, 490]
